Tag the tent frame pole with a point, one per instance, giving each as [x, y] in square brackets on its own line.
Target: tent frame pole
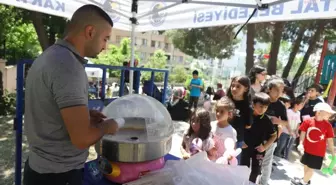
[134, 23]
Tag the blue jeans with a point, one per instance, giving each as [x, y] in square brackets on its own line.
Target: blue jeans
[289, 146]
[282, 143]
[239, 144]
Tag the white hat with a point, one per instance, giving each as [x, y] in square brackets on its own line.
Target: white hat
[323, 107]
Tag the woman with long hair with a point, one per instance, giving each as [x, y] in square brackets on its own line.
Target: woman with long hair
[257, 75]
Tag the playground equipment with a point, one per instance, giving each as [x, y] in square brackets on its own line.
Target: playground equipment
[327, 67]
[98, 104]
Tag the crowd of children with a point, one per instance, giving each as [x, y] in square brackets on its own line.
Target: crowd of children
[264, 120]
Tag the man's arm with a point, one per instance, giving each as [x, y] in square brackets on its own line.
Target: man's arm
[68, 84]
[81, 132]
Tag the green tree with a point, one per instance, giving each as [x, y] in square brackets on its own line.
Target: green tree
[320, 27]
[294, 33]
[115, 56]
[179, 74]
[48, 27]
[215, 42]
[250, 37]
[157, 61]
[18, 40]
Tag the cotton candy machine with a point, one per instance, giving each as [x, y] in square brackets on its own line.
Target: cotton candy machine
[139, 146]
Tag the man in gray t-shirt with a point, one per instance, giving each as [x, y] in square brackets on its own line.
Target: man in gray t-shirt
[57, 122]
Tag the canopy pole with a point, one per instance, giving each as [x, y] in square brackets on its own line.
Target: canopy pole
[134, 23]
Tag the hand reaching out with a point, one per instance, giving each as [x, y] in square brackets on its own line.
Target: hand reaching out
[260, 148]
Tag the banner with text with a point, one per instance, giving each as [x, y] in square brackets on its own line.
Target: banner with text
[162, 15]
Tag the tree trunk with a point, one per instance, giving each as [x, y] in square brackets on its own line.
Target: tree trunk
[1, 87]
[277, 35]
[250, 47]
[42, 34]
[312, 45]
[295, 50]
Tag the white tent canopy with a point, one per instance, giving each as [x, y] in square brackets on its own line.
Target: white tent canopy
[176, 14]
[147, 15]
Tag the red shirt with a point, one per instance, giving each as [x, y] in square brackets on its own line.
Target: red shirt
[317, 133]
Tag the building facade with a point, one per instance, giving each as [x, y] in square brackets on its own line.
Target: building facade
[148, 42]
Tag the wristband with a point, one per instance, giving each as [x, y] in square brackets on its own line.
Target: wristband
[120, 122]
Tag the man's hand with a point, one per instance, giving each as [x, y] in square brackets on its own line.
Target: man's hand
[111, 126]
[96, 117]
[260, 148]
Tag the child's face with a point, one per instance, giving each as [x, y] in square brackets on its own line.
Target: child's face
[195, 76]
[222, 114]
[195, 125]
[299, 106]
[323, 115]
[237, 89]
[312, 93]
[261, 76]
[276, 92]
[259, 109]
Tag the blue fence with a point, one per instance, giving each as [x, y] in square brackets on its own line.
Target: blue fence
[95, 103]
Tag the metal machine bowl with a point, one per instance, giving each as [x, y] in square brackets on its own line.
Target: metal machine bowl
[131, 144]
[146, 135]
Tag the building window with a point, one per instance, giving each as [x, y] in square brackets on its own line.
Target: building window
[167, 46]
[159, 44]
[144, 42]
[153, 44]
[118, 39]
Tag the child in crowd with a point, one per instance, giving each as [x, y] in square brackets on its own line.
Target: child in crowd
[312, 98]
[285, 131]
[274, 87]
[222, 129]
[177, 107]
[199, 128]
[239, 93]
[316, 133]
[286, 100]
[260, 137]
[291, 131]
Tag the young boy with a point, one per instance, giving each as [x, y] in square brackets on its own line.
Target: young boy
[294, 120]
[312, 98]
[195, 86]
[315, 133]
[274, 87]
[259, 137]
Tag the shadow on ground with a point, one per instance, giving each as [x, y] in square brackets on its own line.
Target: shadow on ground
[7, 151]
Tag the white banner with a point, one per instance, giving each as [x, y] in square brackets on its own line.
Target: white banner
[172, 14]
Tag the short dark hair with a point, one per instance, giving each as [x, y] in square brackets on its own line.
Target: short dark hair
[88, 14]
[261, 98]
[297, 101]
[195, 72]
[272, 82]
[317, 87]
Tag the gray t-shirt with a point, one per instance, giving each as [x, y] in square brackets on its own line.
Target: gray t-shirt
[56, 80]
